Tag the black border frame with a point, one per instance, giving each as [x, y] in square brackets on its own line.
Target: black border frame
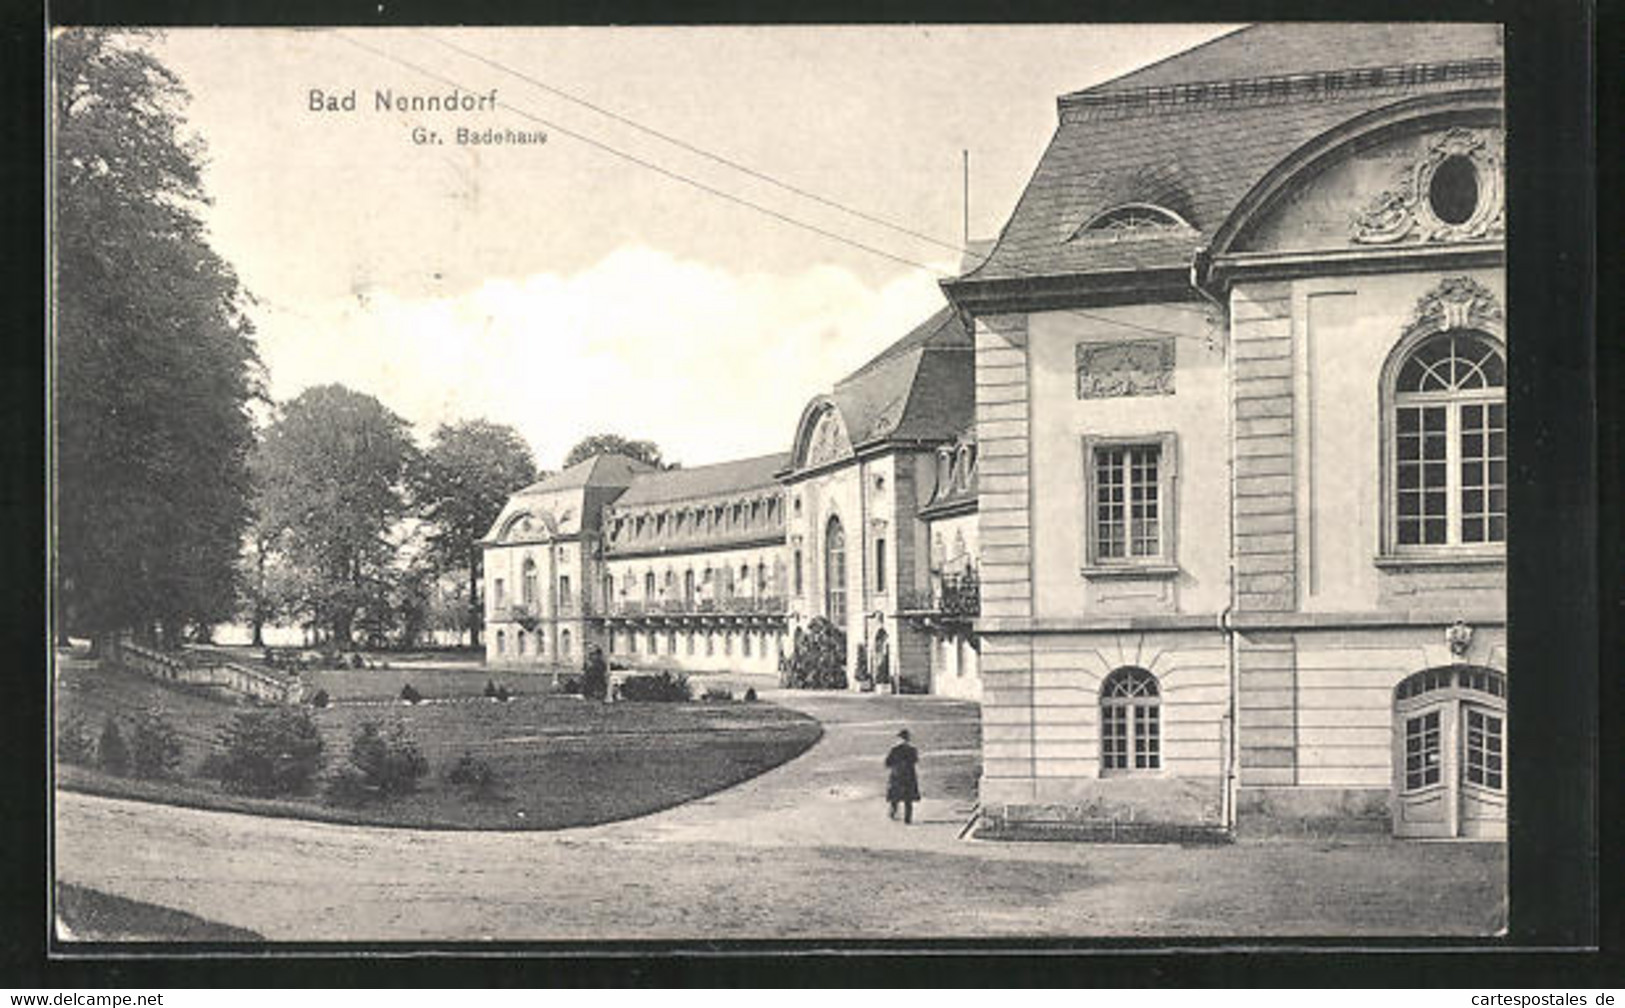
[1562, 765]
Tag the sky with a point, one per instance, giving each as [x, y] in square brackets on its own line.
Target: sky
[566, 290]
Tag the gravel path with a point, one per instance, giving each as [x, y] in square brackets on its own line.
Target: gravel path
[804, 851]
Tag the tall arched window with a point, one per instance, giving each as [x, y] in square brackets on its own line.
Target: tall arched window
[564, 643]
[835, 573]
[1130, 722]
[688, 586]
[649, 586]
[528, 584]
[1448, 452]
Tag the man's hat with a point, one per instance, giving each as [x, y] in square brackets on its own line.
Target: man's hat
[903, 734]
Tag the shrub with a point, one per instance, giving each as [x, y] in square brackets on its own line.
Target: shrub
[490, 687]
[663, 687]
[155, 748]
[594, 674]
[718, 693]
[819, 659]
[410, 694]
[76, 741]
[269, 752]
[750, 694]
[112, 754]
[356, 661]
[860, 667]
[320, 698]
[571, 686]
[474, 775]
[390, 762]
[348, 786]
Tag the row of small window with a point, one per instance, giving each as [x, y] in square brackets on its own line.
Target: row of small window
[526, 644]
[1449, 457]
[667, 586]
[528, 589]
[653, 642]
[697, 521]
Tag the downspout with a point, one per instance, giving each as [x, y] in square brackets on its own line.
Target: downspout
[1200, 277]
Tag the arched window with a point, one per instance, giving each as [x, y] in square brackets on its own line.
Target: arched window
[519, 643]
[502, 642]
[835, 573]
[1130, 722]
[688, 586]
[609, 589]
[649, 585]
[1130, 219]
[564, 644]
[1448, 451]
[528, 584]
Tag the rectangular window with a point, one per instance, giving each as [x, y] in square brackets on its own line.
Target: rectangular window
[1422, 752]
[1128, 503]
[1483, 473]
[1114, 737]
[499, 594]
[1423, 475]
[1484, 751]
[1147, 737]
[746, 644]
[880, 565]
[564, 593]
[798, 572]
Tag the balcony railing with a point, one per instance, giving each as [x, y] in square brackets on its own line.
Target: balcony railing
[737, 605]
[951, 595]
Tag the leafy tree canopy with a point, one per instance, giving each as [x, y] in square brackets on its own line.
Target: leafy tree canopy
[154, 365]
[467, 475]
[615, 444]
[332, 472]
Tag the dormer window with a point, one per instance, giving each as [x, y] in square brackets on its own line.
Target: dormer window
[1131, 220]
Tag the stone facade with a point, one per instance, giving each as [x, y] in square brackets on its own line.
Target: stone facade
[1242, 501]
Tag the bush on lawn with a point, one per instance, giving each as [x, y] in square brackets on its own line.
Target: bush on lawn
[474, 775]
[570, 686]
[410, 694]
[819, 659]
[76, 741]
[112, 754]
[663, 687]
[594, 674]
[320, 699]
[718, 693]
[750, 694]
[495, 692]
[155, 747]
[860, 669]
[276, 751]
[390, 762]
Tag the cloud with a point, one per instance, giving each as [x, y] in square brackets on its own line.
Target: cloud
[708, 363]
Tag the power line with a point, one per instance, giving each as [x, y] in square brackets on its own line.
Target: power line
[633, 158]
[691, 148]
[740, 200]
[962, 249]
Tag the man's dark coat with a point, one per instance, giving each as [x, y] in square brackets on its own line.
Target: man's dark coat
[904, 785]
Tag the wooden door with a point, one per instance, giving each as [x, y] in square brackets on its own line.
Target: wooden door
[1425, 802]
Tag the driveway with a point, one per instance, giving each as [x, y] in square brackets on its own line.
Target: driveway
[804, 851]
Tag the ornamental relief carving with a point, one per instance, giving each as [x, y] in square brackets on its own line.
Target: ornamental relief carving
[1452, 193]
[1132, 368]
[828, 442]
[1456, 303]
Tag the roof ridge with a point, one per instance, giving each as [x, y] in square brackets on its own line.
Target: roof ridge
[1275, 87]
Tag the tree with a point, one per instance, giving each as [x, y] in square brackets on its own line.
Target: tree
[331, 473]
[614, 444]
[467, 475]
[154, 365]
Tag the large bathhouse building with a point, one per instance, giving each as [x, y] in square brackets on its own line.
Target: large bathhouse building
[1198, 485]
[868, 521]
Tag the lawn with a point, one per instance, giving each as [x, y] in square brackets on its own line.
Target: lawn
[561, 761]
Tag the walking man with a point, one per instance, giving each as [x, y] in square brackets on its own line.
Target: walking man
[903, 785]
